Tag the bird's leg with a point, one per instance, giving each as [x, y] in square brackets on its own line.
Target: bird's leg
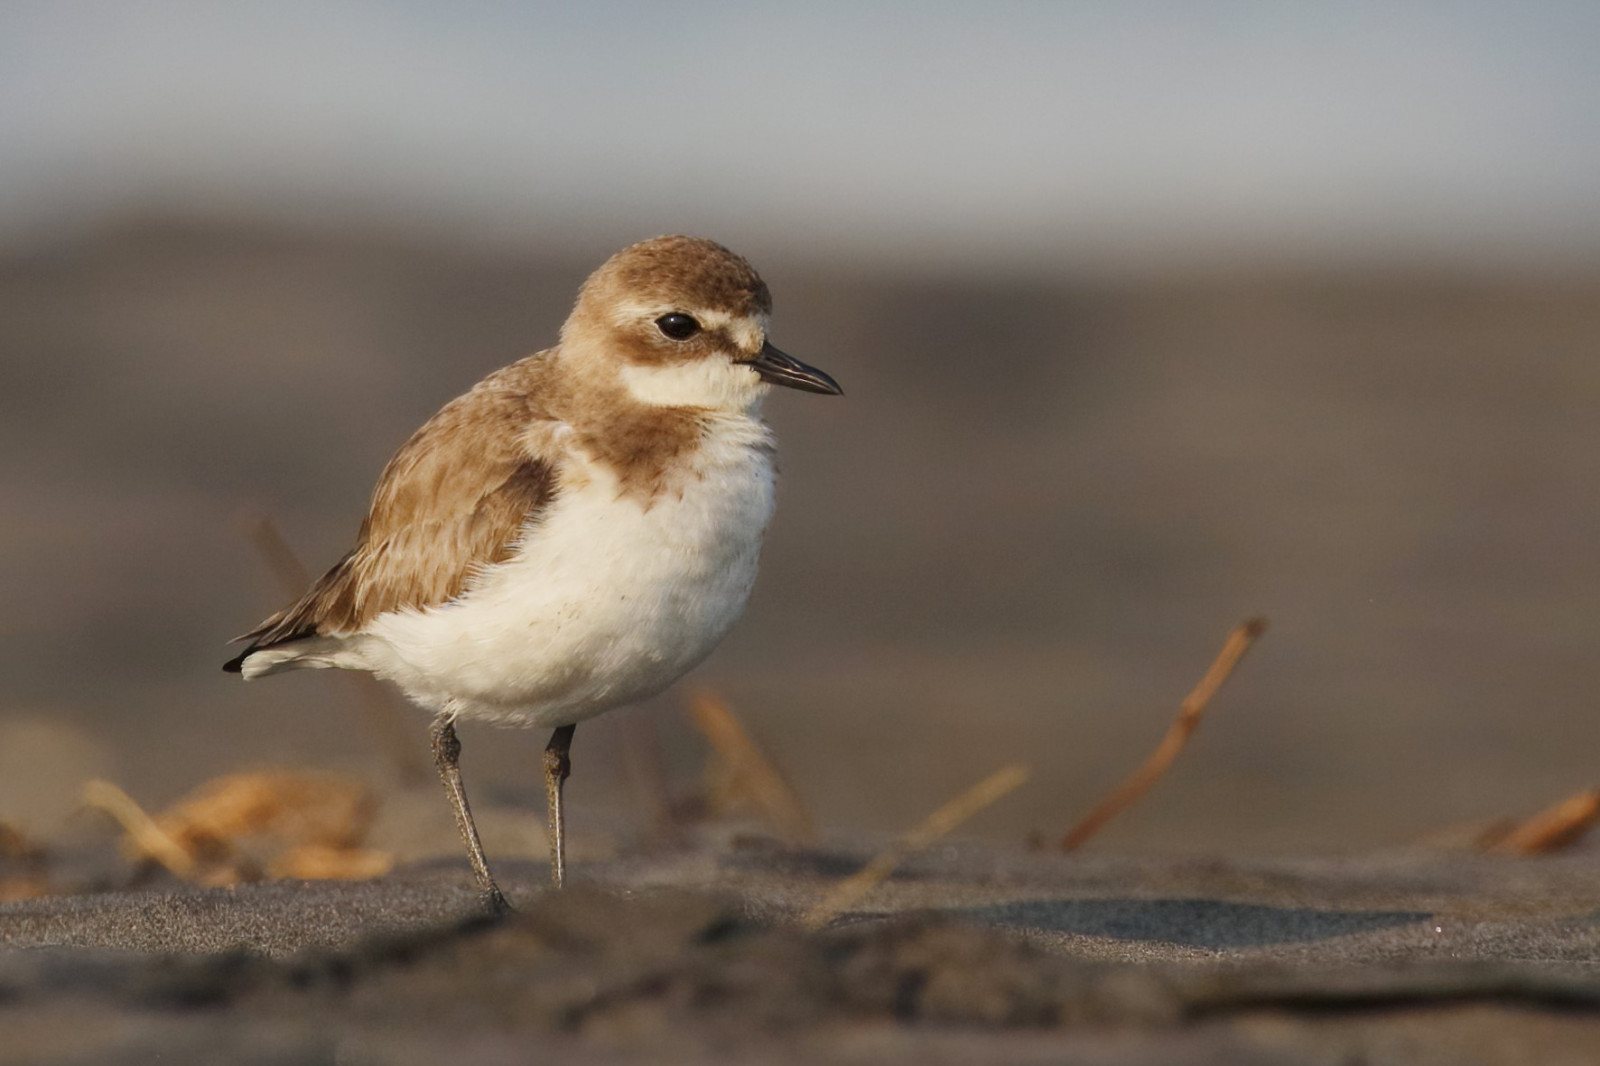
[556, 768]
[447, 755]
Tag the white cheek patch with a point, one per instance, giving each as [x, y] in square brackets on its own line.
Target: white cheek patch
[748, 333]
[714, 382]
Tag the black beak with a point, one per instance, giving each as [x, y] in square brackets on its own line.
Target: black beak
[781, 369]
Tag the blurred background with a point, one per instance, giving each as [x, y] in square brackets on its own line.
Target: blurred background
[1151, 316]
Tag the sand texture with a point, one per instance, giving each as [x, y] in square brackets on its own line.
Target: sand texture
[968, 954]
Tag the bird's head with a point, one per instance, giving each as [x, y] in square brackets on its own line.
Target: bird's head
[682, 322]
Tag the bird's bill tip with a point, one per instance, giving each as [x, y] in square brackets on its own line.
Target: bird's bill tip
[780, 368]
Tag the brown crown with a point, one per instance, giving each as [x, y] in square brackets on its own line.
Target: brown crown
[686, 272]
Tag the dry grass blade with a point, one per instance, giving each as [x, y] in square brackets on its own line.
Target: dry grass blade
[387, 719]
[320, 862]
[149, 839]
[1189, 715]
[1553, 828]
[752, 773]
[22, 866]
[646, 769]
[312, 823]
[286, 567]
[941, 822]
[16, 847]
[289, 806]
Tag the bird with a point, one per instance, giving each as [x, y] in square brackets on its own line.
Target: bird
[572, 534]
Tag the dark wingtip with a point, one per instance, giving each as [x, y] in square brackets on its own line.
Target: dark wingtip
[235, 665]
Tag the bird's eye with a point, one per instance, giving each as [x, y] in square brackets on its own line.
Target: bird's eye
[678, 326]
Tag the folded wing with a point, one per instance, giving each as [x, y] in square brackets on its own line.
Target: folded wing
[454, 500]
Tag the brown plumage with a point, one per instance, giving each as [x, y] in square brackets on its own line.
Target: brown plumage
[661, 270]
[457, 496]
[439, 514]
[586, 521]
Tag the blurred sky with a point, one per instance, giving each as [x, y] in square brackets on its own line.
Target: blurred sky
[1117, 132]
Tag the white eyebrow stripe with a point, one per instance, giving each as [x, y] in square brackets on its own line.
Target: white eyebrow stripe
[627, 311]
[714, 319]
[749, 332]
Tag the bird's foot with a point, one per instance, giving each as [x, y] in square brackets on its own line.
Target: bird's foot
[495, 904]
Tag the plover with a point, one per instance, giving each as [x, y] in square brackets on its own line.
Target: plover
[574, 533]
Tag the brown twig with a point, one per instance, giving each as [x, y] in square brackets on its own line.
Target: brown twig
[148, 838]
[387, 719]
[646, 769]
[1189, 715]
[23, 864]
[314, 824]
[290, 573]
[941, 822]
[752, 773]
[16, 847]
[1552, 829]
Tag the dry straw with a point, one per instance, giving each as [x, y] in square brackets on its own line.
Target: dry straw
[1189, 715]
[1556, 827]
[750, 773]
[941, 822]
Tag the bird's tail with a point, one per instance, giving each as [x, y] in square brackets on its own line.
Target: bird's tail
[307, 653]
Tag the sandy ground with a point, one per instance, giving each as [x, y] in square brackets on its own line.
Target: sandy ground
[968, 954]
[1021, 537]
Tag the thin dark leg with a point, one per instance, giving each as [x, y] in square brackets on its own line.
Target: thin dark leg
[447, 755]
[556, 768]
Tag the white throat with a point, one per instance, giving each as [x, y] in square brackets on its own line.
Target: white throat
[716, 384]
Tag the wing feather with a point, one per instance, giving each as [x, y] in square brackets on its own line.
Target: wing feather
[454, 500]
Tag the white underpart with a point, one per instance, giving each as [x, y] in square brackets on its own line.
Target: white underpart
[609, 599]
[714, 382]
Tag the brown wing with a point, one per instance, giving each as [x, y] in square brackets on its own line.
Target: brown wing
[452, 501]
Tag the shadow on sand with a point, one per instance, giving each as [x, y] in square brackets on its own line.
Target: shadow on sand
[1215, 925]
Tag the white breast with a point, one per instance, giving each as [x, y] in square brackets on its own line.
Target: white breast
[609, 599]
